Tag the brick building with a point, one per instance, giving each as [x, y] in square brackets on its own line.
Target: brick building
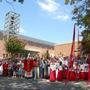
[39, 46]
[64, 49]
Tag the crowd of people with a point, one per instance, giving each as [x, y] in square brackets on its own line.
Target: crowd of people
[52, 68]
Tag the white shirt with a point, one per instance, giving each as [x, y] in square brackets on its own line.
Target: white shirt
[61, 60]
[1, 70]
[65, 62]
[60, 68]
[53, 67]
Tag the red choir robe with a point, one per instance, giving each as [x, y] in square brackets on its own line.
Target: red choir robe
[28, 66]
[60, 74]
[5, 69]
[86, 71]
[72, 75]
[89, 74]
[76, 71]
[25, 64]
[31, 64]
[82, 73]
[88, 62]
[86, 75]
[65, 72]
[52, 72]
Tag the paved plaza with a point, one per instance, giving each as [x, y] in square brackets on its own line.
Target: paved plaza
[40, 84]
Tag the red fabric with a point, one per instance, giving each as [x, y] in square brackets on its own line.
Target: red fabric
[31, 64]
[82, 76]
[89, 75]
[60, 75]
[72, 76]
[88, 61]
[5, 69]
[72, 50]
[65, 72]
[52, 75]
[35, 63]
[77, 76]
[28, 65]
[86, 75]
[68, 75]
[25, 64]
[5, 66]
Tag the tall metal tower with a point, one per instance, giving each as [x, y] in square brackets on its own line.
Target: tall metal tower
[12, 24]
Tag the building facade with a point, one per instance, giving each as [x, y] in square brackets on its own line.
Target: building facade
[40, 47]
[64, 49]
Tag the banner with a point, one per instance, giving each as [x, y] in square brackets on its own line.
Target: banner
[72, 54]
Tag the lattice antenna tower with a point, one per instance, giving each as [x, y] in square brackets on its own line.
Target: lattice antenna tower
[12, 24]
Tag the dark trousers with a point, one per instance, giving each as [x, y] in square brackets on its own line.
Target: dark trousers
[41, 72]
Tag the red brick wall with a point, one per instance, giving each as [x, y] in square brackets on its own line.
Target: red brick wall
[58, 49]
[64, 49]
[2, 48]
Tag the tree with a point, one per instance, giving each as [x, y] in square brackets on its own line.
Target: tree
[20, 1]
[85, 42]
[46, 54]
[81, 14]
[14, 46]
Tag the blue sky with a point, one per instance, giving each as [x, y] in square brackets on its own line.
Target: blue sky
[48, 20]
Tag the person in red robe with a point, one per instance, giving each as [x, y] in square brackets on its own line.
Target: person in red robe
[60, 72]
[5, 69]
[65, 67]
[28, 66]
[82, 73]
[72, 73]
[88, 62]
[86, 71]
[52, 71]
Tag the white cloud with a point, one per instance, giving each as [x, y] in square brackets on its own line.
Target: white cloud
[53, 8]
[62, 17]
[49, 5]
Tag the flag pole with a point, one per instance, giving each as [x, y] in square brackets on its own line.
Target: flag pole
[78, 54]
[72, 54]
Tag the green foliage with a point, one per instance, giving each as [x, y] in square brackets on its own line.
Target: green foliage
[85, 42]
[69, 1]
[46, 54]
[14, 45]
[24, 53]
[81, 14]
[66, 1]
[20, 1]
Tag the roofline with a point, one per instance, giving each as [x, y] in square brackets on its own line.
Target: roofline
[66, 43]
[36, 40]
[33, 39]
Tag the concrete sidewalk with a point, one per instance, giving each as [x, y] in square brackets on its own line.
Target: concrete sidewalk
[40, 84]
